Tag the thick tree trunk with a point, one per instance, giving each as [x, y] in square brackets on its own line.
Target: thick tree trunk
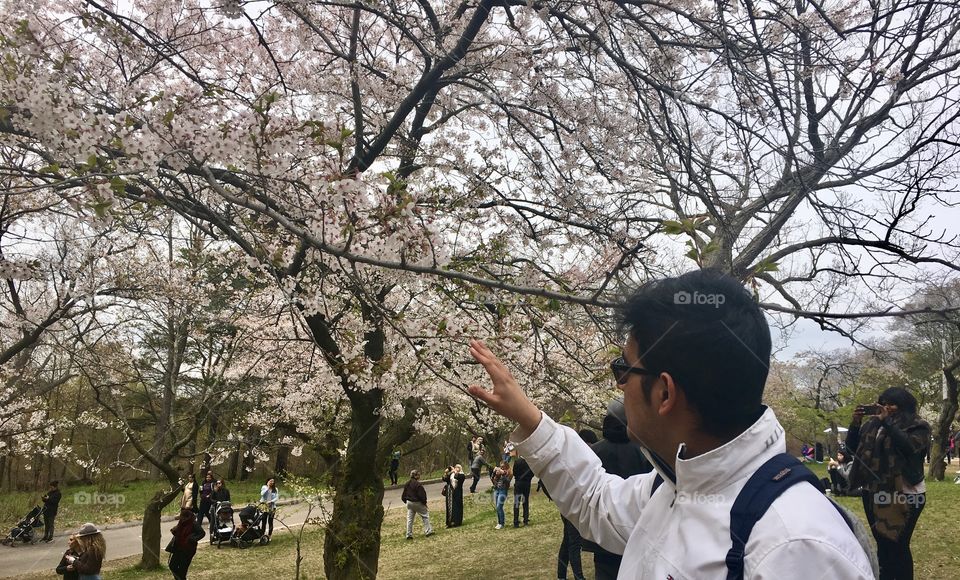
[948, 410]
[283, 458]
[150, 533]
[233, 471]
[352, 542]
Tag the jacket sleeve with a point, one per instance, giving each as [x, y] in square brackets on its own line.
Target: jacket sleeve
[62, 566]
[604, 508]
[819, 560]
[197, 533]
[853, 438]
[907, 442]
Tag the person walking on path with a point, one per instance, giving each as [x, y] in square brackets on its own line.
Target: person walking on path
[73, 551]
[191, 493]
[206, 497]
[183, 546]
[269, 494]
[93, 549]
[51, 503]
[501, 486]
[523, 478]
[415, 498]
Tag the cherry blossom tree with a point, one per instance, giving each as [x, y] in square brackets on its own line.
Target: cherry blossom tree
[57, 271]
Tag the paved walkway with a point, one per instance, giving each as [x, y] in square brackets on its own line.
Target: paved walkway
[123, 540]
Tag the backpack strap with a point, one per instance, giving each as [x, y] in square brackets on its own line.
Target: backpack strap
[774, 477]
[657, 482]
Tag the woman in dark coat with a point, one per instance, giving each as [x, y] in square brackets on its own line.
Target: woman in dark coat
[453, 478]
[183, 546]
[72, 553]
[220, 491]
[890, 448]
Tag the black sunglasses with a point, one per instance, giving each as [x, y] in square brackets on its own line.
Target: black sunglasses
[622, 369]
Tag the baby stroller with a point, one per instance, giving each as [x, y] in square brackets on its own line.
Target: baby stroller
[23, 532]
[250, 530]
[221, 523]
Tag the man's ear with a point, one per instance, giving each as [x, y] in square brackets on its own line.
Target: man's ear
[667, 395]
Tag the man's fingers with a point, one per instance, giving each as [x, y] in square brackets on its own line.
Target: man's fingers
[480, 393]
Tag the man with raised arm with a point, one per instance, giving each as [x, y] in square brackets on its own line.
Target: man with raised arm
[692, 374]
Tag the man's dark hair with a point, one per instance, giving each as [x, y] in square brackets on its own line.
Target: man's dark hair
[707, 331]
[905, 402]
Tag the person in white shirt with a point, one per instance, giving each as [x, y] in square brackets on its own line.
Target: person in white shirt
[692, 374]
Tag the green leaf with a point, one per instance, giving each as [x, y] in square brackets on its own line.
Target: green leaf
[118, 185]
[672, 227]
[101, 208]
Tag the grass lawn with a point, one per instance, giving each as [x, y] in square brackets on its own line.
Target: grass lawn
[112, 504]
[477, 550]
[472, 550]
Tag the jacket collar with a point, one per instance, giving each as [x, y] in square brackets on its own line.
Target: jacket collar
[737, 459]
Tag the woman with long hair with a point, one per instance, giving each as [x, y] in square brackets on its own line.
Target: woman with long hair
[888, 465]
[72, 553]
[191, 492]
[206, 497]
[183, 546]
[269, 496]
[92, 548]
[501, 485]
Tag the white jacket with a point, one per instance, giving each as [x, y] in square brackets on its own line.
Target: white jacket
[683, 531]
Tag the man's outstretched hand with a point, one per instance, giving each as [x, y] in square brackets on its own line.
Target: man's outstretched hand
[506, 398]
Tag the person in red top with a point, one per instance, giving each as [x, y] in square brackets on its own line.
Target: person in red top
[183, 545]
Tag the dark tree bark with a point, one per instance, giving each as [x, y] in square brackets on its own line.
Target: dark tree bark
[150, 533]
[352, 541]
[948, 412]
